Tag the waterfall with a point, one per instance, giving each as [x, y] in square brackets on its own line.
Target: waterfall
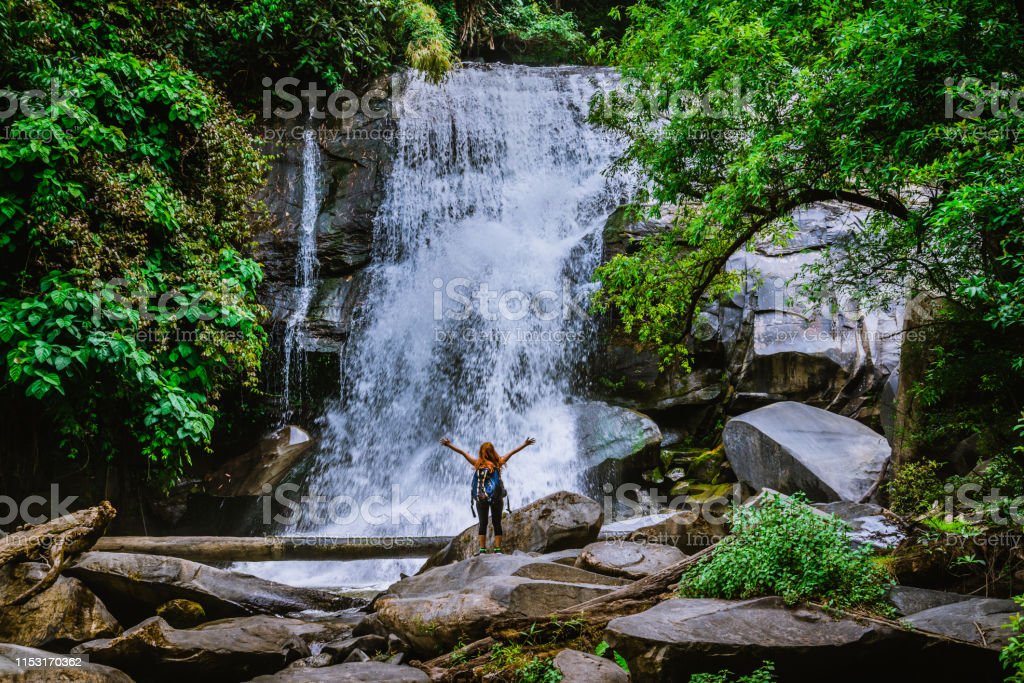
[305, 262]
[473, 324]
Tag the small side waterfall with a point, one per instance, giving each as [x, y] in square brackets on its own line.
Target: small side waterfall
[474, 323]
[305, 263]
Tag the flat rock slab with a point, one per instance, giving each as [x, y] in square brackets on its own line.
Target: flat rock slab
[226, 650]
[11, 670]
[357, 672]
[628, 559]
[910, 600]
[793, 447]
[582, 667]
[135, 585]
[979, 620]
[678, 638]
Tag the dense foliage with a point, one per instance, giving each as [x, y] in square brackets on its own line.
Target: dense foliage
[525, 31]
[915, 488]
[784, 547]
[127, 283]
[1012, 655]
[738, 113]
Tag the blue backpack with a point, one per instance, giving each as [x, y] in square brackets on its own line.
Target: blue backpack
[486, 486]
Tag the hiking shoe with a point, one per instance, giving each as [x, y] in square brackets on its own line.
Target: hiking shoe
[498, 551]
[478, 553]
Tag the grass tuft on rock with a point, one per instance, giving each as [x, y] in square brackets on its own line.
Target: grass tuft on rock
[786, 548]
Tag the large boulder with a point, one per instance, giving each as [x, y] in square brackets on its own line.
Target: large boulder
[555, 522]
[63, 615]
[226, 650]
[628, 559]
[615, 443]
[134, 585]
[266, 464]
[355, 672]
[979, 620]
[445, 605]
[680, 637]
[581, 667]
[794, 447]
[13, 667]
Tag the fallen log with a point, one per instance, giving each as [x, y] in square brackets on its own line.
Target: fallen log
[56, 542]
[217, 549]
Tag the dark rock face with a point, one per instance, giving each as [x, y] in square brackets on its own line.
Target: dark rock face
[355, 159]
[135, 585]
[766, 344]
[678, 638]
[268, 463]
[793, 447]
[556, 522]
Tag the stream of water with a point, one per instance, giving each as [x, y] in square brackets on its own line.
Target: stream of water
[305, 264]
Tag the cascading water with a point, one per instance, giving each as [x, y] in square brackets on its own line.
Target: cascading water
[305, 262]
[473, 325]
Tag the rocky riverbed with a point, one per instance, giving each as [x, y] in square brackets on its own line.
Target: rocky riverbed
[152, 618]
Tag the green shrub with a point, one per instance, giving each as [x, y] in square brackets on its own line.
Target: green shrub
[766, 674]
[1012, 655]
[429, 48]
[604, 648]
[785, 548]
[539, 671]
[914, 488]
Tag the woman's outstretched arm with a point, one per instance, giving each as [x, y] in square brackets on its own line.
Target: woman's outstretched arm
[447, 443]
[529, 442]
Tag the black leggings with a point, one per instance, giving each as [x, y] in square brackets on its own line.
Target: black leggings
[495, 505]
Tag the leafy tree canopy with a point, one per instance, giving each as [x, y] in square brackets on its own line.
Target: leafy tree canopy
[127, 211]
[738, 113]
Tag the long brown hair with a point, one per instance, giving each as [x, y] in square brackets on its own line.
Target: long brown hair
[489, 458]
